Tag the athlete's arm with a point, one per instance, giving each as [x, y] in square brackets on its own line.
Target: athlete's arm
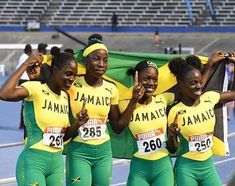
[120, 121]
[9, 90]
[81, 118]
[229, 95]
[214, 58]
[173, 132]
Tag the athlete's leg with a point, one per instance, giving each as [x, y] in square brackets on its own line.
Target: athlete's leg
[102, 171]
[184, 174]
[164, 172]
[56, 175]
[29, 170]
[138, 175]
[209, 175]
[78, 171]
[136, 180]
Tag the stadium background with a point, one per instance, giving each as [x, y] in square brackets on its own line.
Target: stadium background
[28, 21]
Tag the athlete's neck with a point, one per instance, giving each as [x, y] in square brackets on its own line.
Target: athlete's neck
[54, 88]
[92, 81]
[190, 101]
[145, 100]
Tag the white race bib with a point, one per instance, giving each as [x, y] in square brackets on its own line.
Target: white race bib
[200, 143]
[53, 137]
[150, 142]
[94, 129]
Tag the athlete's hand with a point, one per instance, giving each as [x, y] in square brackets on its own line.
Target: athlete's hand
[231, 57]
[82, 117]
[138, 89]
[34, 59]
[34, 72]
[173, 129]
[216, 57]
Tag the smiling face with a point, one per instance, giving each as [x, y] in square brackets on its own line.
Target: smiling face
[96, 63]
[148, 77]
[66, 75]
[191, 85]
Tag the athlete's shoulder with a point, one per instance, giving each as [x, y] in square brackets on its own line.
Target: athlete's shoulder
[65, 94]
[36, 84]
[78, 83]
[172, 106]
[109, 82]
[210, 96]
[210, 93]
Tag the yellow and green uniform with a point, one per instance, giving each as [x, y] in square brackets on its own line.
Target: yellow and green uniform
[89, 157]
[46, 117]
[151, 164]
[194, 164]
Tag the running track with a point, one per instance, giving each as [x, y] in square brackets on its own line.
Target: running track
[9, 133]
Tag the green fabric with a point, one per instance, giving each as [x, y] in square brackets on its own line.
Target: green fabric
[194, 173]
[88, 164]
[154, 173]
[119, 62]
[39, 168]
[31, 125]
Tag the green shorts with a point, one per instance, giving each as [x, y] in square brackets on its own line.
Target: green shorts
[151, 172]
[196, 173]
[40, 168]
[88, 164]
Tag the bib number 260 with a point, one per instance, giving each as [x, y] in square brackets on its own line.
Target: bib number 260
[152, 145]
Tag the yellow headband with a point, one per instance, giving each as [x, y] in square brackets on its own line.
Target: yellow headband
[94, 47]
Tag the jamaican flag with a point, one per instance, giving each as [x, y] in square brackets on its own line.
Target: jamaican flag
[119, 62]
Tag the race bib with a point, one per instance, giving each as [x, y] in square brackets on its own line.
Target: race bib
[150, 142]
[200, 143]
[94, 129]
[53, 137]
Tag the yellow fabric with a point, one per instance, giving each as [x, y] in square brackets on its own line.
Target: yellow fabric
[98, 102]
[94, 47]
[47, 59]
[196, 120]
[50, 110]
[147, 118]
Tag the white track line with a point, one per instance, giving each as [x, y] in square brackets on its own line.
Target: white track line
[231, 134]
[207, 46]
[118, 184]
[11, 144]
[224, 161]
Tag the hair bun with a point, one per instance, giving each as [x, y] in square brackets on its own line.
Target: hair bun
[55, 51]
[95, 38]
[176, 65]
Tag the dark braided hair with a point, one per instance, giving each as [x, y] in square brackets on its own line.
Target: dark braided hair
[95, 38]
[62, 59]
[194, 61]
[140, 67]
[55, 51]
